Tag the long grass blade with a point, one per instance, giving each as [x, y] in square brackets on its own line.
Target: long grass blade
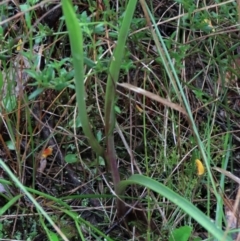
[76, 42]
[31, 198]
[181, 202]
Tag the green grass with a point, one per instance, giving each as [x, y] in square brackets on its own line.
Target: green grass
[129, 94]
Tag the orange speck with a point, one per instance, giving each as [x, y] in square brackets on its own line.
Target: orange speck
[47, 152]
[200, 167]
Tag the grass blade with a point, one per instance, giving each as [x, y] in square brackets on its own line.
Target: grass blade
[36, 204]
[110, 97]
[181, 202]
[76, 42]
[9, 204]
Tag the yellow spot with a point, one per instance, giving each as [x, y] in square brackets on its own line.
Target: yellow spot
[19, 46]
[200, 167]
[47, 152]
[209, 23]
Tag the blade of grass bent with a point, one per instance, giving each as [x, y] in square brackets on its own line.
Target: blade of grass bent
[45, 195]
[181, 202]
[76, 42]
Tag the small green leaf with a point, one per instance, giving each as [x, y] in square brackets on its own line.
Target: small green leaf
[10, 103]
[71, 158]
[53, 236]
[24, 8]
[101, 161]
[35, 93]
[76, 124]
[117, 109]
[99, 136]
[181, 234]
[10, 145]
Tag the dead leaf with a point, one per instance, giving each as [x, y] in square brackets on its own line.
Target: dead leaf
[232, 74]
[231, 219]
[228, 174]
[153, 97]
[231, 207]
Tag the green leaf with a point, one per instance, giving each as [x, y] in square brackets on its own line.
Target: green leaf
[117, 109]
[181, 202]
[24, 8]
[101, 161]
[10, 145]
[75, 123]
[99, 136]
[10, 103]
[53, 236]
[35, 93]
[181, 234]
[71, 158]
